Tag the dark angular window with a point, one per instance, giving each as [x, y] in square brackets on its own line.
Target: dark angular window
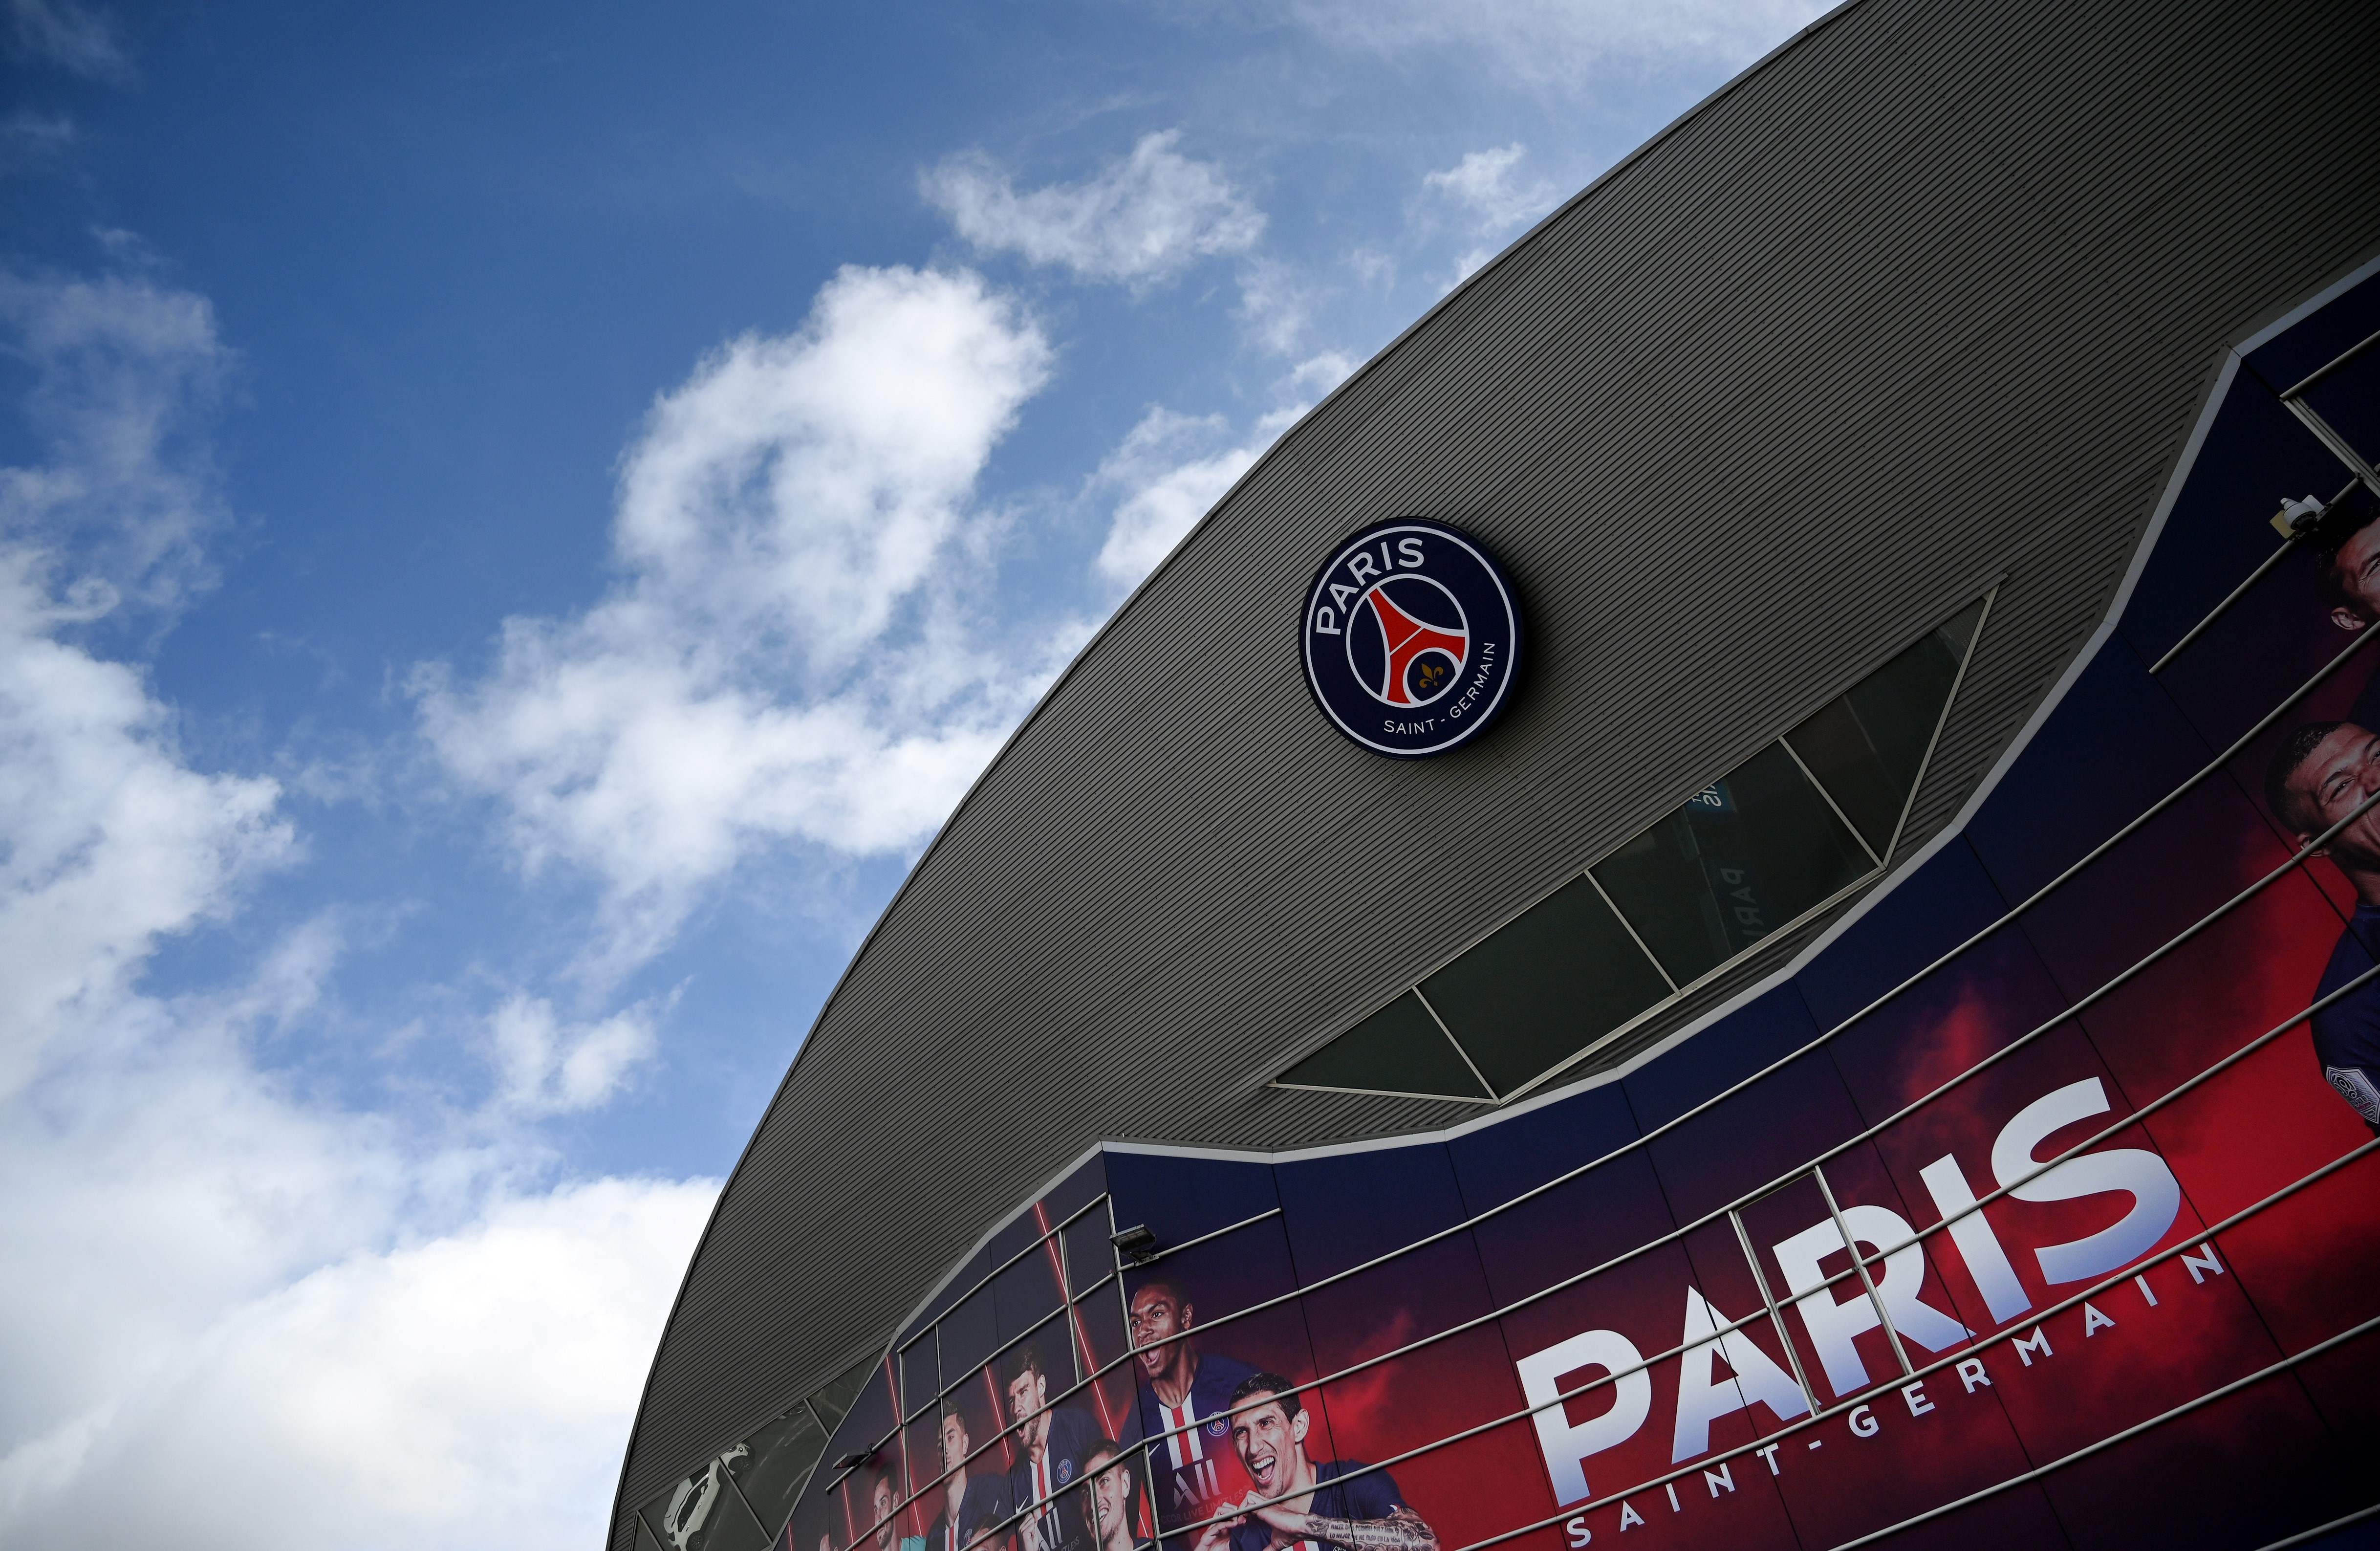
[1545, 986]
[704, 1512]
[777, 1459]
[1399, 1049]
[833, 1398]
[1867, 746]
[1735, 861]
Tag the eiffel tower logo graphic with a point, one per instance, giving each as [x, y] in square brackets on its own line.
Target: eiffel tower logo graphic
[1406, 639]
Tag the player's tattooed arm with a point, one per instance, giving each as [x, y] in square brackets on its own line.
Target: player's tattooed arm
[1400, 1530]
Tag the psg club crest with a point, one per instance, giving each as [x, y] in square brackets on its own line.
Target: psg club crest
[1412, 638]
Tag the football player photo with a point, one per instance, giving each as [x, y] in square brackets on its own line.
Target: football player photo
[881, 1498]
[1336, 1502]
[1051, 1441]
[2347, 544]
[1113, 1498]
[2321, 774]
[974, 1501]
[1186, 1394]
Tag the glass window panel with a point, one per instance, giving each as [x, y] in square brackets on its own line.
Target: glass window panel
[1399, 1049]
[1090, 1254]
[920, 1375]
[1868, 747]
[1024, 1293]
[2348, 401]
[833, 1401]
[645, 1541]
[968, 1334]
[776, 1460]
[1734, 862]
[1545, 986]
[701, 1512]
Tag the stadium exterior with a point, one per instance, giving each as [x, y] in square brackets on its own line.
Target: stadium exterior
[1932, 813]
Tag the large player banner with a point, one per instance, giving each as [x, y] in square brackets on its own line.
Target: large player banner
[1627, 1315]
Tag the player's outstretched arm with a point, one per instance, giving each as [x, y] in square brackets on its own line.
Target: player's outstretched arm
[1400, 1530]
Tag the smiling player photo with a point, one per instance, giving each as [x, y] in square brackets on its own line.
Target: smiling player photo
[1336, 1502]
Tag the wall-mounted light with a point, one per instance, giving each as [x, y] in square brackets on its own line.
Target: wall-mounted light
[2295, 519]
[1135, 1244]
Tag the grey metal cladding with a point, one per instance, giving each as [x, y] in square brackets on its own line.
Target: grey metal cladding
[1927, 299]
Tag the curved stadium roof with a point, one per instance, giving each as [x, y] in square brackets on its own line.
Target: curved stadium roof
[1927, 299]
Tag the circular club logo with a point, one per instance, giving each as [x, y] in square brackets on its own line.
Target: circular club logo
[1412, 638]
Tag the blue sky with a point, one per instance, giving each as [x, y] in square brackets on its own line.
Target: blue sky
[515, 524]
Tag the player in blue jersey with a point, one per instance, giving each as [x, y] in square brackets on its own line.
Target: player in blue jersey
[2322, 773]
[883, 1497]
[2346, 542]
[1296, 1504]
[1051, 1441]
[974, 1501]
[1186, 1395]
[1113, 1502]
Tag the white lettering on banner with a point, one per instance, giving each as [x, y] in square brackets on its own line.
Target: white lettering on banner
[1566, 1444]
[1833, 1321]
[1723, 1476]
[1409, 552]
[1978, 1245]
[1579, 1533]
[1361, 567]
[1836, 1314]
[1702, 1402]
[2157, 1195]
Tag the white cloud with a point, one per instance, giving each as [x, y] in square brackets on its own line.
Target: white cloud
[1140, 220]
[232, 1313]
[1494, 200]
[62, 33]
[29, 139]
[1275, 305]
[109, 842]
[124, 375]
[1560, 44]
[1170, 470]
[792, 656]
[1483, 182]
[545, 1067]
[423, 1392]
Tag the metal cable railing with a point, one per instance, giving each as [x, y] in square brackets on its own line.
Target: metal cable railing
[1771, 1309]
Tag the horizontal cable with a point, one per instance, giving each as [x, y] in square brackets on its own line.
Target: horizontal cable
[2313, 378]
[1850, 1143]
[2320, 1530]
[988, 1277]
[2220, 1392]
[2134, 826]
[1848, 1403]
[2311, 847]
[1826, 1284]
[1143, 1264]
[2363, 639]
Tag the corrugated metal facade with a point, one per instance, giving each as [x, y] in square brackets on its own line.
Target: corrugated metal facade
[1928, 299]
